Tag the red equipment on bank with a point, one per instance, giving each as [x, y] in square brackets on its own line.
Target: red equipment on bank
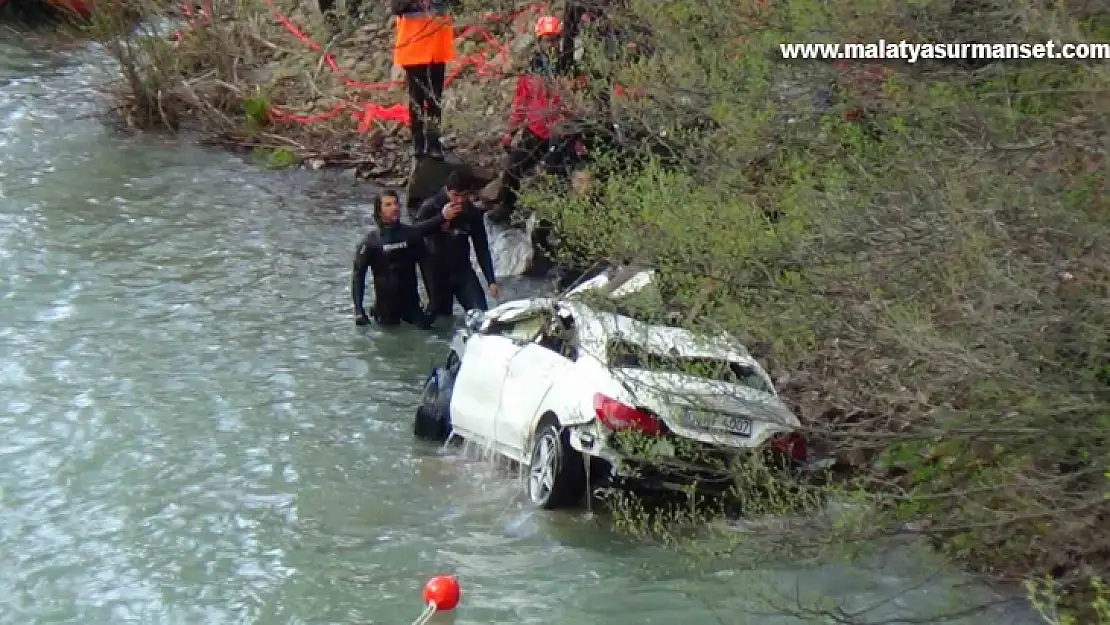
[79, 8]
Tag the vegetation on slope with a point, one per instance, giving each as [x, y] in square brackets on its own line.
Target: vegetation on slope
[918, 252]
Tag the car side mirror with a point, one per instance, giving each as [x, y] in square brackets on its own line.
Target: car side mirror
[474, 319]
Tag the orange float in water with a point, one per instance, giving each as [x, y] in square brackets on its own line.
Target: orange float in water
[442, 591]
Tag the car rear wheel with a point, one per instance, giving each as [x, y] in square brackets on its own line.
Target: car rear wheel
[433, 416]
[556, 476]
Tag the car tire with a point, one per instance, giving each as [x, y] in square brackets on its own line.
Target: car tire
[433, 416]
[556, 477]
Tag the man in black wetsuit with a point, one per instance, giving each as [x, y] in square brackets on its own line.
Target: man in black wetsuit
[448, 264]
[391, 252]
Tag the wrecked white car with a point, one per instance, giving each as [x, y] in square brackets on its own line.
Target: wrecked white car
[554, 384]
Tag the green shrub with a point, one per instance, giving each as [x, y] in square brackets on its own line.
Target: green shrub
[933, 299]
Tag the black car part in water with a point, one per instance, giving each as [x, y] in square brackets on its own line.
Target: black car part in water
[433, 416]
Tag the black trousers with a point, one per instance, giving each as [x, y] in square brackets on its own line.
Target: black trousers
[424, 84]
[573, 12]
[465, 288]
[390, 310]
[530, 151]
[417, 317]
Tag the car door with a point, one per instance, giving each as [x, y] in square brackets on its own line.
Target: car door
[530, 376]
[476, 399]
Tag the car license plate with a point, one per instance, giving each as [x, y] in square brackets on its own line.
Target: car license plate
[732, 424]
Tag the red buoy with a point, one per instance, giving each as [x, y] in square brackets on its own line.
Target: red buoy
[443, 592]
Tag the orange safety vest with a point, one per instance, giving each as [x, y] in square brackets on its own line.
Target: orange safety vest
[422, 40]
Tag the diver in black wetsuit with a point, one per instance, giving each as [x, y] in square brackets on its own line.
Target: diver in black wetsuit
[391, 252]
[448, 263]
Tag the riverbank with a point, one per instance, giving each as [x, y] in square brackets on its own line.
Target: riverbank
[281, 85]
[931, 294]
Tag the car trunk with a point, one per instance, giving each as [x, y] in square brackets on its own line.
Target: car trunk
[709, 411]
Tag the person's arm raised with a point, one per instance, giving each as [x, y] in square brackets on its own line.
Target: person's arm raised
[431, 224]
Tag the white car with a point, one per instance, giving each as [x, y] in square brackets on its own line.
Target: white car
[551, 383]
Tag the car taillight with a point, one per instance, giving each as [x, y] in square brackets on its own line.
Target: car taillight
[792, 446]
[622, 417]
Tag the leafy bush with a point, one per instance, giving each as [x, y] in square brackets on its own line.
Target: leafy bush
[917, 252]
[1046, 601]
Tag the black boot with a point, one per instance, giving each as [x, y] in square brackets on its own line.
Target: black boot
[435, 150]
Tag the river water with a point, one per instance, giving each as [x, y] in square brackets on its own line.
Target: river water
[194, 431]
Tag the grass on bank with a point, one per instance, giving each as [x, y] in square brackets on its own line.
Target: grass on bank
[216, 78]
[933, 300]
[233, 80]
[1046, 600]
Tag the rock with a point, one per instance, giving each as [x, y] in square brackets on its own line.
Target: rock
[429, 175]
[918, 527]
[317, 163]
[482, 176]
[491, 191]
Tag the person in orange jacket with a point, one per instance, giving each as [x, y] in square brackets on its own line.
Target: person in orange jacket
[425, 44]
[537, 114]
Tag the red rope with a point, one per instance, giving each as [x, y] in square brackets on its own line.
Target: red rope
[370, 112]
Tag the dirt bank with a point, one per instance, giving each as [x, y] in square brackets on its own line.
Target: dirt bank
[262, 79]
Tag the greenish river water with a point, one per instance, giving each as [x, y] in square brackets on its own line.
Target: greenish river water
[194, 431]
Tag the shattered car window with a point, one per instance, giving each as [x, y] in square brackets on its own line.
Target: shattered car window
[628, 355]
